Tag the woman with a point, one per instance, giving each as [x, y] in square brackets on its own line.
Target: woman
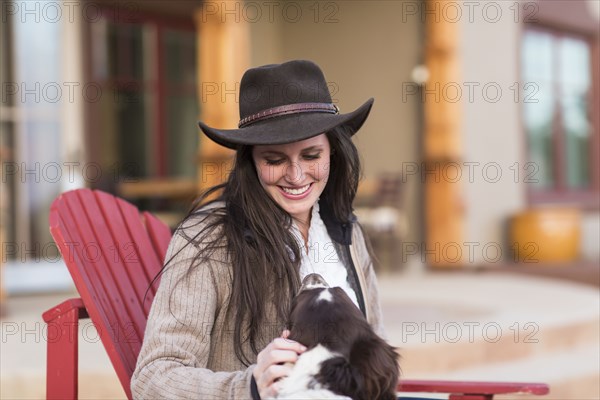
[217, 324]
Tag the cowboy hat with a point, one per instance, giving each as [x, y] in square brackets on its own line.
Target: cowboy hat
[285, 103]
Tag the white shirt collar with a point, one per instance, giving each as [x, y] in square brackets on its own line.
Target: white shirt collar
[322, 256]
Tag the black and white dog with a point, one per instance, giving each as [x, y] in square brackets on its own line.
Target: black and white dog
[345, 358]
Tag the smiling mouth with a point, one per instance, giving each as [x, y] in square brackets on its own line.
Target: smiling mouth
[296, 192]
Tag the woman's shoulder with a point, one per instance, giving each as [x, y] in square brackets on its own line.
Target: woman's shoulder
[202, 226]
[199, 237]
[207, 215]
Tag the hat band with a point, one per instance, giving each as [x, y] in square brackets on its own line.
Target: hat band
[289, 109]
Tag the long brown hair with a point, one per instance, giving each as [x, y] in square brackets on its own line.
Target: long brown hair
[255, 233]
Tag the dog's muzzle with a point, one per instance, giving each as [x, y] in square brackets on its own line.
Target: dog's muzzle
[312, 281]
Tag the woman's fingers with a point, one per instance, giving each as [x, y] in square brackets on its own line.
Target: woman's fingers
[284, 344]
[274, 362]
[282, 356]
[287, 344]
[273, 373]
[276, 356]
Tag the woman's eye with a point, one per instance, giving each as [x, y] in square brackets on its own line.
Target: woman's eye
[312, 156]
[274, 162]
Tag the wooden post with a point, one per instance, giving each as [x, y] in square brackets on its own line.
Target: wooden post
[444, 212]
[5, 157]
[223, 56]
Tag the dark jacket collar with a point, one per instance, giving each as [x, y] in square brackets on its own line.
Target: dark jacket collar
[339, 231]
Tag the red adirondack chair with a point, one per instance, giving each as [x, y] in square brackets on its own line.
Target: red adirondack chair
[113, 253]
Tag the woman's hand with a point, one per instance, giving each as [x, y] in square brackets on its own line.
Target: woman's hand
[275, 362]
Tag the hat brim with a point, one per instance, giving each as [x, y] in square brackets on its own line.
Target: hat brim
[288, 128]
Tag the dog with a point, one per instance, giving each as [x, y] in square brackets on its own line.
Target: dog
[344, 359]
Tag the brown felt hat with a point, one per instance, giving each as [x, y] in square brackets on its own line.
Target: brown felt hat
[285, 103]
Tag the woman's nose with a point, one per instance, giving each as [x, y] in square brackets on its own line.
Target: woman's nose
[294, 173]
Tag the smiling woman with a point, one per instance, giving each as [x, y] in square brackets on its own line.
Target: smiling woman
[294, 175]
[236, 262]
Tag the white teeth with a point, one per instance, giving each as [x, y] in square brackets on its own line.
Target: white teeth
[296, 191]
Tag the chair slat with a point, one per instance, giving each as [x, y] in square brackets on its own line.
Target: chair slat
[142, 269]
[470, 387]
[160, 235]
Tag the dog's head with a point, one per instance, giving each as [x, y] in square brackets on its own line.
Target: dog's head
[362, 365]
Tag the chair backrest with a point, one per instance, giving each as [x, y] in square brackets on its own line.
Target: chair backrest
[113, 253]
[390, 190]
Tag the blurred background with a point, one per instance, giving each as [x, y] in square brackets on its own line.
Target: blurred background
[481, 157]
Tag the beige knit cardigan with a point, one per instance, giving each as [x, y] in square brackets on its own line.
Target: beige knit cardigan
[188, 350]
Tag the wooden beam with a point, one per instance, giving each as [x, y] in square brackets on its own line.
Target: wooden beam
[223, 56]
[444, 211]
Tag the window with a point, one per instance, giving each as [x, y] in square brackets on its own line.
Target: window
[558, 119]
[7, 183]
[30, 136]
[146, 127]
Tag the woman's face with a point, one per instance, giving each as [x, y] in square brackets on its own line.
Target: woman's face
[294, 174]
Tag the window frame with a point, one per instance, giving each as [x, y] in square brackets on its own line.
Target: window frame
[158, 135]
[588, 198]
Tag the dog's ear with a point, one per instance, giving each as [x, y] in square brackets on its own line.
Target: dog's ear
[377, 363]
[337, 375]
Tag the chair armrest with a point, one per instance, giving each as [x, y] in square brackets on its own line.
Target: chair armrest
[62, 348]
[64, 308]
[472, 390]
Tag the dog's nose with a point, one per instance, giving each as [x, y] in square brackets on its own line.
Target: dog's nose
[312, 281]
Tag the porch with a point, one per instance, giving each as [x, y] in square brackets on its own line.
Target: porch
[468, 324]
